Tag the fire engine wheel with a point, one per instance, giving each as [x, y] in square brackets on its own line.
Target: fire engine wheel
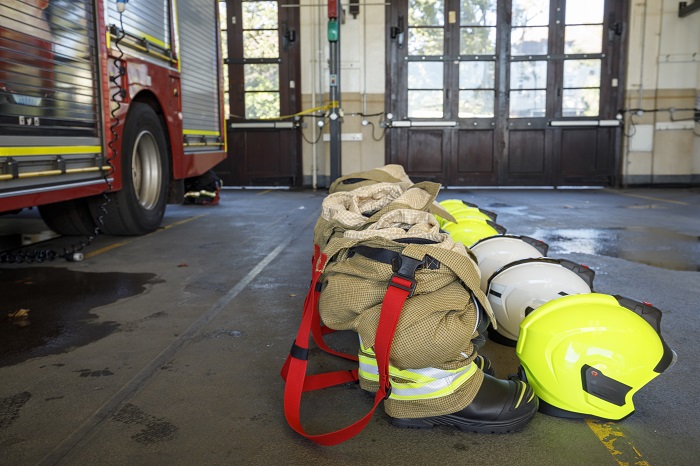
[139, 206]
[71, 218]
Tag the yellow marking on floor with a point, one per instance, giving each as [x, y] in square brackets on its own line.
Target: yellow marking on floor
[118, 245]
[652, 198]
[181, 222]
[264, 192]
[621, 449]
[105, 249]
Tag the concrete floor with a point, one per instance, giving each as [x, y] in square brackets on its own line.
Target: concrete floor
[166, 348]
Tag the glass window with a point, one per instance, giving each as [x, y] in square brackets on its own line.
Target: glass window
[583, 39]
[262, 104]
[528, 104]
[425, 41]
[581, 102]
[530, 12]
[477, 41]
[477, 13]
[581, 95]
[260, 44]
[425, 104]
[425, 75]
[582, 73]
[528, 75]
[259, 15]
[425, 27]
[477, 75]
[529, 40]
[477, 19]
[476, 104]
[263, 77]
[261, 82]
[584, 12]
[426, 13]
[529, 32]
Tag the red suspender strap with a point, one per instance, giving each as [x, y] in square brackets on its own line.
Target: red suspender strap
[317, 330]
[400, 288]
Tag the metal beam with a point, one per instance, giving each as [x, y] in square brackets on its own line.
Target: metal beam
[684, 9]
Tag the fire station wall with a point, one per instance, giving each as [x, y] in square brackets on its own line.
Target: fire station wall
[662, 142]
[361, 84]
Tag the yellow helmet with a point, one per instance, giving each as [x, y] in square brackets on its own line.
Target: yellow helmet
[470, 230]
[587, 355]
[463, 210]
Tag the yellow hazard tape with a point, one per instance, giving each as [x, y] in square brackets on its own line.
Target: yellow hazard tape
[330, 105]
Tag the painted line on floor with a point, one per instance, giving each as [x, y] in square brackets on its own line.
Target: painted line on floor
[621, 449]
[181, 222]
[118, 245]
[264, 192]
[651, 198]
[69, 447]
[103, 250]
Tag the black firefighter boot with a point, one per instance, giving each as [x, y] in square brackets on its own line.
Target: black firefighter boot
[499, 407]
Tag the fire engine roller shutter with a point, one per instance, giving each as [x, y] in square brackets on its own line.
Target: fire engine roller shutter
[48, 68]
[149, 21]
[49, 106]
[199, 78]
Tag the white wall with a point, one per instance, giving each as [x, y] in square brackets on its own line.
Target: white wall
[663, 77]
[362, 81]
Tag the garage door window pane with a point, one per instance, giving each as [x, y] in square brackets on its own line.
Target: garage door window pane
[581, 102]
[528, 75]
[582, 73]
[584, 12]
[528, 104]
[477, 41]
[477, 75]
[529, 40]
[583, 39]
[261, 85]
[426, 13]
[477, 13]
[476, 104]
[425, 75]
[262, 105]
[425, 104]
[425, 41]
[260, 44]
[259, 15]
[531, 12]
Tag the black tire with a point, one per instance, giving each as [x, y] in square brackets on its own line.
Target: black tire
[70, 218]
[139, 206]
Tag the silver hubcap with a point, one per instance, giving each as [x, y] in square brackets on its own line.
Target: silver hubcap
[146, 170]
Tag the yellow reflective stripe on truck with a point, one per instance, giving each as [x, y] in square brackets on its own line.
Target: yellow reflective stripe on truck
[201, 132]
[48, 150]
[69, 171]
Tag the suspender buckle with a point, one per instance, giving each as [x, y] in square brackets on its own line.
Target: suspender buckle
[404, 268]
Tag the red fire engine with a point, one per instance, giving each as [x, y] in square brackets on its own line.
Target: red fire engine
[93, 101]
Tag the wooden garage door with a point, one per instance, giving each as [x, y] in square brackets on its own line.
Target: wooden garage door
[261, 50]
[515, 92]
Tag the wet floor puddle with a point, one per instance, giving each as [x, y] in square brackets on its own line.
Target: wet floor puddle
[48, 310]
[657, 247]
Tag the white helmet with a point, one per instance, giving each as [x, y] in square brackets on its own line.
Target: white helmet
[494, 252]
[522, 286]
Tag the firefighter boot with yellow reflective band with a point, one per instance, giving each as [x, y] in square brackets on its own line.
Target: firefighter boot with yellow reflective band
[500, 406]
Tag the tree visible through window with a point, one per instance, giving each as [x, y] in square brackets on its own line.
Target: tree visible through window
[260, 53]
